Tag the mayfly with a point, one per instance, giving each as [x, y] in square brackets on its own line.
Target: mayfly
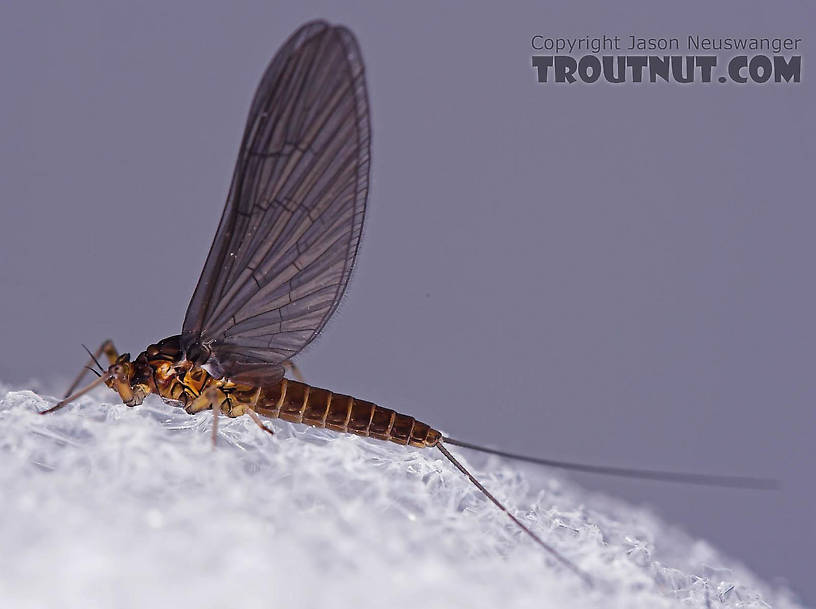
[279, 265]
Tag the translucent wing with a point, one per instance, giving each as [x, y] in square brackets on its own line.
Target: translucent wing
[288, 237]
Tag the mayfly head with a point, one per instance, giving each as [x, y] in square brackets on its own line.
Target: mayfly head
[122, 378]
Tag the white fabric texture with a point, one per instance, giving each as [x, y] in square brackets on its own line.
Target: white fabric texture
[108, 506]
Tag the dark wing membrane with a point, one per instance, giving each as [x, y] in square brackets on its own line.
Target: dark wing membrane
[289, 234]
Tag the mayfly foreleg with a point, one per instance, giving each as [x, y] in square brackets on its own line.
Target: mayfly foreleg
[108, 349]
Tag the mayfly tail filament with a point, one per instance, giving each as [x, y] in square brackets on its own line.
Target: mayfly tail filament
[745, 482]
[555, 553]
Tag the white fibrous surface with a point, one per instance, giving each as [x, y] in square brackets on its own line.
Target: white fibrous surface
[108, 506]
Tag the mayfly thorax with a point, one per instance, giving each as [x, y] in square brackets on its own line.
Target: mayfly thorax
[279, 265]
[163, 369]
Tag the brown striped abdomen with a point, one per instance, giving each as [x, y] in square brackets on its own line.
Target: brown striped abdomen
[300, 403]
[162, 369]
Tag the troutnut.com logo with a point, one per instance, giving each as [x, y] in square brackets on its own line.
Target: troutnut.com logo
[736, 60]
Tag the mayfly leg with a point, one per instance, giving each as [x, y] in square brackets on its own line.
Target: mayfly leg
[254, 416]
[108, 348]
[555, 553]
[291, 368]
[216, 408]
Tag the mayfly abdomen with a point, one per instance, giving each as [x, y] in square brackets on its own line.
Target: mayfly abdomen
[301, 403]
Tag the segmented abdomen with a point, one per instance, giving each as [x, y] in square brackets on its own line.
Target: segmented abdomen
[163, 367]
[300, 403]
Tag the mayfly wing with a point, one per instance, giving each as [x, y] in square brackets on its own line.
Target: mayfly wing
[288, 237]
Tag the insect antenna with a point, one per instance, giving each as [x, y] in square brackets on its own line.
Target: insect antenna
[745, 482]
[81, 374]
[102, 378]
[93, 358]
[565, 561]
[93, 370]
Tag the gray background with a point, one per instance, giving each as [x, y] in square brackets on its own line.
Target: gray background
[607, 274]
